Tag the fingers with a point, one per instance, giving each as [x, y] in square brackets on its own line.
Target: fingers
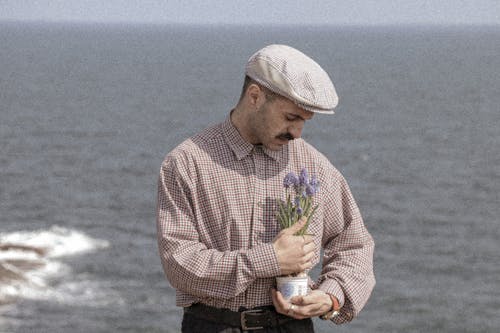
[295, 253]
[293, 309]
[296, 259]
[307, 265]
[309, 247]
[307, 260]
[299, 300]
[315, 303]
[279, 302]
[310, 298]
[302, 263]
[284, 307]
[308, 311]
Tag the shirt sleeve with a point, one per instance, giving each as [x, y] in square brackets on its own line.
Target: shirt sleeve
[347, 271]
[188, 264]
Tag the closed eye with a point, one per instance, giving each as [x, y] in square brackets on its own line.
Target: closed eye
[292, 117]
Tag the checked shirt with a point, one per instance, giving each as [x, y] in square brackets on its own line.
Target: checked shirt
[216, 219]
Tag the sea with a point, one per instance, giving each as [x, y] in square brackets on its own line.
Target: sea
[89, 111]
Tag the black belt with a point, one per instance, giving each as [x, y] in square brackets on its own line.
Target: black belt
[254, 319]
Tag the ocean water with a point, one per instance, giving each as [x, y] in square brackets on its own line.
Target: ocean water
[87, 114]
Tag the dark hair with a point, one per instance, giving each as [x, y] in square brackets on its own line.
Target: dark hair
[270, 96]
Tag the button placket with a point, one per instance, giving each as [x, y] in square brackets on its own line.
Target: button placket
[259, 193]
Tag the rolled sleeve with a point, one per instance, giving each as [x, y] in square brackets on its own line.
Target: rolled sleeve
[332, 287]
[348, 252]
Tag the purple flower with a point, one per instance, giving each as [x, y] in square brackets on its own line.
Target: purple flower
[313, 187]
[303, 177]
[290, 180]
[310, 190]
[299, 203]
[314, 181]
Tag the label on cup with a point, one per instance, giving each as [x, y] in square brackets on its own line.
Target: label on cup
[292, 286]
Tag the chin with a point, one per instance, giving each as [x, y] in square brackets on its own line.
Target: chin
[276, 146]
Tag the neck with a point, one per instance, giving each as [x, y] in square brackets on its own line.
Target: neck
[241, 120]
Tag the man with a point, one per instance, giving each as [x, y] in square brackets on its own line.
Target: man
[219, 239]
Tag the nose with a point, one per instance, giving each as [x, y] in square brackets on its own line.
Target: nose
[296, 129]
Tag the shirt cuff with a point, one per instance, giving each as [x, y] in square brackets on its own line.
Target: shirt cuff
[264, 260]
[333, 288]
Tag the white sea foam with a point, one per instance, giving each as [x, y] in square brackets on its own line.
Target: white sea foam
[29, 261]
[57, 241]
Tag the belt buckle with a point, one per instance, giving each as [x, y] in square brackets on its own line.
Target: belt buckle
[244, 320]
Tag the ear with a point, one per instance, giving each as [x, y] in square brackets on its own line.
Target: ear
[255, 95]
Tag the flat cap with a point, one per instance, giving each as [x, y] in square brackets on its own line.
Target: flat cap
[290, 73]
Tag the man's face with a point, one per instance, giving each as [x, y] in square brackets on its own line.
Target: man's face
[278, 121]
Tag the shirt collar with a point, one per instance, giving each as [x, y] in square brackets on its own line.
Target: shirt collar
[276, 155]
[243, 148]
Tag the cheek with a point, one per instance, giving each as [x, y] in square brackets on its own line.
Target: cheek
[272, 124]
[267, 130]
[274, 129]
[268, 126]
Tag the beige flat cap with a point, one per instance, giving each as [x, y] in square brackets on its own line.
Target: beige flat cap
[290, 73]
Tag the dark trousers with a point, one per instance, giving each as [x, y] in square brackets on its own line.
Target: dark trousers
[192, 324]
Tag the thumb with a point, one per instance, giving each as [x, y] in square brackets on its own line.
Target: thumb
[296, 227]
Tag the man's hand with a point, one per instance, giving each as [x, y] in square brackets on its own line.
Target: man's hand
[295, 253]
[314, 304]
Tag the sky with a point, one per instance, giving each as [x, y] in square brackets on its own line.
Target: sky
[300, 12]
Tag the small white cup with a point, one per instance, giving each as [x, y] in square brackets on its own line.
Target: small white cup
[290, 286]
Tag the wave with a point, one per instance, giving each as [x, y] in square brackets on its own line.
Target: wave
[29, 261]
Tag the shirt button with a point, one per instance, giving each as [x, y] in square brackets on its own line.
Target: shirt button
[257, 237]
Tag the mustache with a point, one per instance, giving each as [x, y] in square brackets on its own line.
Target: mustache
[285, 136]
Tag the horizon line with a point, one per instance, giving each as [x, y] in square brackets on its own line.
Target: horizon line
[249, 24]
